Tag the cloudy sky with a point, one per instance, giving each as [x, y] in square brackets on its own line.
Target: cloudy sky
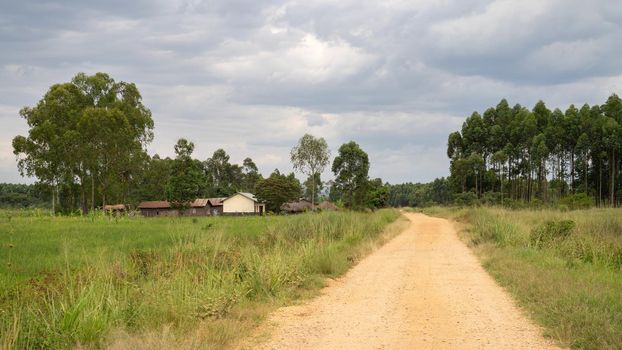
[253, 76]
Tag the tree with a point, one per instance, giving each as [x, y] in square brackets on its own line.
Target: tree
[564, 151]
[278, 189]
[223, 178]
[153, 179]
[612, 130]
[187, 177]
[313, 186]
[351, 169]
[310, 156]
[377, 194]
[92, 129]
[250, 175]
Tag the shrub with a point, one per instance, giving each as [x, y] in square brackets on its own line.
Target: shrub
[576, 201]
[550, 232]
[492, 198]
[465, 199]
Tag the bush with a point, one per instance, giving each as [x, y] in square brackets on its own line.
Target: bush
[492, 198]
[576, 201]
[550, 232]
[465, 199]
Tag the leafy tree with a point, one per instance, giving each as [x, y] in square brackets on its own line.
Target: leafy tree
[223, 178]
[313, 186]
[351, 167]
[153, 178]
[378, 194]
[187, 177]
[278, 189]
[310, 156]
[87, 131]
[250, 175]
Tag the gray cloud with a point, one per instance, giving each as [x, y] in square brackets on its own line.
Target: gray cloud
[253, 76]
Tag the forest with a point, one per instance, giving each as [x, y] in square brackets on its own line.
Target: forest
[537, 156]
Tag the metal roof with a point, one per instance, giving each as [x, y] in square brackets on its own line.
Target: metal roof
[199, 203]
[216, 202]
[154, 205]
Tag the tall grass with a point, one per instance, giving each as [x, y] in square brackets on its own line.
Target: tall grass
[563, 267]
[132, 282]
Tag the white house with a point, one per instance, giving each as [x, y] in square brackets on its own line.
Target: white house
[243, 203]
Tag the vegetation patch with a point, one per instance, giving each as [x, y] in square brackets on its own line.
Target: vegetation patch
[563, 268]
[98, 282]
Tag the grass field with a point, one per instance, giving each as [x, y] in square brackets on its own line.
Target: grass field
[95, 282]
[564, 268]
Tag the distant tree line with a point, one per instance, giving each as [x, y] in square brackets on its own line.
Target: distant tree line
[437, 192]
[23, 196]
[538, 155]
[86, 146]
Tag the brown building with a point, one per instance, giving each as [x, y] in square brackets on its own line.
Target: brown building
[295, 207]
[200, 207]
[157, 208]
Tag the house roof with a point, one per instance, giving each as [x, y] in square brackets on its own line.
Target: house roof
[297, 206]
[245, 194]
[154, 205]
[216, 202]
[199, 203]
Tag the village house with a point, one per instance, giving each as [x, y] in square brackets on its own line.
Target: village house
[243, 203]
[200, 207]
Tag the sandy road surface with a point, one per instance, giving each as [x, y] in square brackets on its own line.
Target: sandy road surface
[422, 290]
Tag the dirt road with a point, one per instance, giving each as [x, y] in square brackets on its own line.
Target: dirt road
[422, 290]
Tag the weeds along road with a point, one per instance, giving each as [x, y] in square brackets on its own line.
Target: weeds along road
[422, 290]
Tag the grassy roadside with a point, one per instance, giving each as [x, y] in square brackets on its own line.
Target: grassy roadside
[563, 268]
[167, 283]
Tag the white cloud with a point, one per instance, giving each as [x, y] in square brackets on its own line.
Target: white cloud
[308, 61]
[252, 77]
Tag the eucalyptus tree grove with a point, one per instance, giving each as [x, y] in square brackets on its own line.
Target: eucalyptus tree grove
[539, 154]
[86, 135]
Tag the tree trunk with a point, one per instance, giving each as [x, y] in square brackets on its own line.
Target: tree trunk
[600, 182]
[572, 170]
[312, 191]
[502, 166]
[612, 188]
[53, 199]
[92, 192]
[83, 205]
[585, 174]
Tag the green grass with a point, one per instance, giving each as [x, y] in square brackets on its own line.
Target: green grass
[98, 282]
[570, 283]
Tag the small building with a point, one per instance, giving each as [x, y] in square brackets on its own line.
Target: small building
[157, 208]
[299, 206]
[215, 206]
[243, 203]
[199, 207]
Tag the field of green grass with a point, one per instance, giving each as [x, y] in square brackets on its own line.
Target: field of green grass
[98, 282]
[563, 267]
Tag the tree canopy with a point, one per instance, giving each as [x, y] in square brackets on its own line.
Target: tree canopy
[310, 156]
[539, 154]
[85, 132]
[351, 168]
